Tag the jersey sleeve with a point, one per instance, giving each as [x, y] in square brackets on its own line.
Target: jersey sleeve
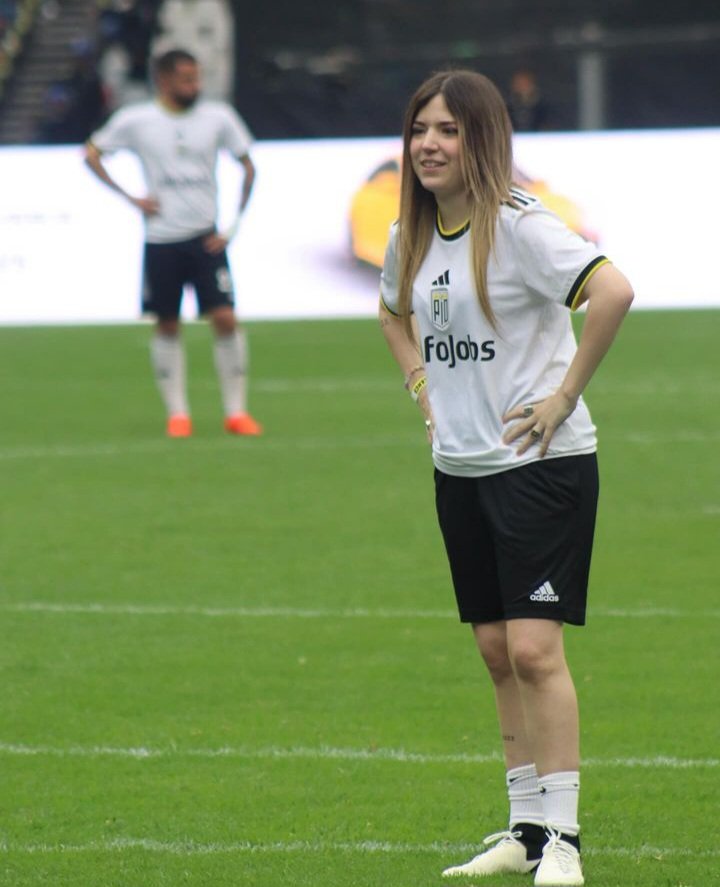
[116, 134]
[554, 262]
[389, 276]
[236, 137]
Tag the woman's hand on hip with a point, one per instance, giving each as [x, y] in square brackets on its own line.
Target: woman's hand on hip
[536, 423]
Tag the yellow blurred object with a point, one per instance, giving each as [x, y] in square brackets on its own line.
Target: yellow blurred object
[373, 210]
[376, 204]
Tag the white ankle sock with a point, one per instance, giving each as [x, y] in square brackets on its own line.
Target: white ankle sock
[231, 364]
[524, 795]
[168, 361]
[560, 794]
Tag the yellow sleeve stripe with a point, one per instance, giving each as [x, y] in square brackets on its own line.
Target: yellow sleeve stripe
[574, 299]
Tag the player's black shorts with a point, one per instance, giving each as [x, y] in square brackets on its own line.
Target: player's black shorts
[168, 267]
[519, 542]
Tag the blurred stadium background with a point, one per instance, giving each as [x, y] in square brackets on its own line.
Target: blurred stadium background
[298, 70]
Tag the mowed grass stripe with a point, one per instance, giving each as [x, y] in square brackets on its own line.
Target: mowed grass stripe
[191, 848]
[323, 753]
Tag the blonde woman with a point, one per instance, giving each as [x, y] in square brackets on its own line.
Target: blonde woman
[477, 288]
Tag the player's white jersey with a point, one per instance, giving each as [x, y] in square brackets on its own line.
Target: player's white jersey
[178, 152]
[477, 373]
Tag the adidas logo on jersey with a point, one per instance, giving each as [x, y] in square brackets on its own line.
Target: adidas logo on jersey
[544, 595]
[443, 279]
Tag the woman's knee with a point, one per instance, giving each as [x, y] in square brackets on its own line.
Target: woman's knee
[534, 659]
[492, 643]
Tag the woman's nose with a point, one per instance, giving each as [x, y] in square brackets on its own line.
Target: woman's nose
[429, 142]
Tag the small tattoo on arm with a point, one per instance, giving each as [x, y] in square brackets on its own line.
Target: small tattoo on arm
[508, 738]
[385, 321]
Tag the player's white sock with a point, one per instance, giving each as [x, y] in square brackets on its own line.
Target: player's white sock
[168, 360]
[231, 364]
[524, 795]
[560, 793]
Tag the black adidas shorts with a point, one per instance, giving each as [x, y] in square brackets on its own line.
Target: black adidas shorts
[168, 267]
[519, 542]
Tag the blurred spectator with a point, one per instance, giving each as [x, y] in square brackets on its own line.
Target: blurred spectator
[131, 25]
[528, 109]
[76, 105]
[8, 14]
[55, 127]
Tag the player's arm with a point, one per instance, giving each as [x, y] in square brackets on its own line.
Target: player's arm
[93, 160]
[609, 295]
[248, 180]
[408, 357]
[216, 243]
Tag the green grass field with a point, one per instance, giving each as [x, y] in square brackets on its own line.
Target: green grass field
[236, 662]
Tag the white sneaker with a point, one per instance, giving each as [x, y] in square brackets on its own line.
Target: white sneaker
[507, 856]
[560, 865]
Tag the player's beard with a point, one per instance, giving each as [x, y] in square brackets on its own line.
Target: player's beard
[186, 101]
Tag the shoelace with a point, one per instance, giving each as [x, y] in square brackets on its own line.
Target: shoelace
[564, 853]
[499, 837]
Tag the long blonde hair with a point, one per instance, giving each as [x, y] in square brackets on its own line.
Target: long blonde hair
[485, 134]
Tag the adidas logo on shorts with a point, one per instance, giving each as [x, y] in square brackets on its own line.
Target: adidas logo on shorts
[545, 594]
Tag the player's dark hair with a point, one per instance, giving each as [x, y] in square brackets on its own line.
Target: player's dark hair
[485, 135]
[168, 61]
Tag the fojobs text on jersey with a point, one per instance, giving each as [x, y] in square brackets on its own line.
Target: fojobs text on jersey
[451, 350]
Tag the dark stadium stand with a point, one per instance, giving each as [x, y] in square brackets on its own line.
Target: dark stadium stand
[16, 21]
[346, 69]
[55, 93]
[331, 69]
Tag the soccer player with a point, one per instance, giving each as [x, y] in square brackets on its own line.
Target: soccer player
[177, 138]
[488, 278]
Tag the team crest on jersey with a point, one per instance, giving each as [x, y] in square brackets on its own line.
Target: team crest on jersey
[440, 302]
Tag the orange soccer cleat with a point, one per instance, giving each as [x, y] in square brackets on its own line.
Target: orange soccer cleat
[179, 425]
[242, 423]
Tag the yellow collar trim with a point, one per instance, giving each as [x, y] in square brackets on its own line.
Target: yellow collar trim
[448, 232]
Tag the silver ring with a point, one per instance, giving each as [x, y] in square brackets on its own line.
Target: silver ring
[535, 434]
[527, 411]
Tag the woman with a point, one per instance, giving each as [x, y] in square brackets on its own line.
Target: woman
[476, 286]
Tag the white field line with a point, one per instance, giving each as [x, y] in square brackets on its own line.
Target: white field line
[351, 442]
[316, 613]
[329, 385]
[223, 612]
[163, 445]
[197, 848]
[650, 438]
[328, 753]
[662, 388]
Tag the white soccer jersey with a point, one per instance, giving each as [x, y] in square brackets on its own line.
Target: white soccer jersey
[476, 373]
[178, 152]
